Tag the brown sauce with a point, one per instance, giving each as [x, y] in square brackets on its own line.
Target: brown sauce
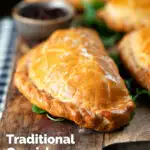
[42, 12]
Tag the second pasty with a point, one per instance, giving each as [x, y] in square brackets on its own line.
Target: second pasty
[126, 15]
[71, 76]
[135, 53]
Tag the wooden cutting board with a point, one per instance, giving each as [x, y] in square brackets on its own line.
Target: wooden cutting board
[19, 119]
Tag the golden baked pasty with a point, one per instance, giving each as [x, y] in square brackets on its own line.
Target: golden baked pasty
[126, 15]
[71, 76]
[134, 50]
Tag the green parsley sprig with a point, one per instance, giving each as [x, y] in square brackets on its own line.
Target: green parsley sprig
[40, 111]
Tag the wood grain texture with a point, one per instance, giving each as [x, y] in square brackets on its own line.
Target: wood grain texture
[138, 130]
[19, 119]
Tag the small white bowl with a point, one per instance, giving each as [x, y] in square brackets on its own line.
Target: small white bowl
[36, 29]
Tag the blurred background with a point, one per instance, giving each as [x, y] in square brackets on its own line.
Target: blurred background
[6, 7]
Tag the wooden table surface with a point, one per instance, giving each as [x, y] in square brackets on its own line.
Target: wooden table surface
[19, 119]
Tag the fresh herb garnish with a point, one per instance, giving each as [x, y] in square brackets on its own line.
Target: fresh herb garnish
[108, 42]
[54, 118]
[97, 4]
[38, 110]
[140, 92]
[132, 116]
[116, 58]
[89, 16]
[128, 83]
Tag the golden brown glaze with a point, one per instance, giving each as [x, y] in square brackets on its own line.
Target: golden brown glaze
[71, 76]
[126, 15]
[135, 54]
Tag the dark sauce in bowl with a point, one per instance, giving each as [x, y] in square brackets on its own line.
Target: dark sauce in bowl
[42, 12]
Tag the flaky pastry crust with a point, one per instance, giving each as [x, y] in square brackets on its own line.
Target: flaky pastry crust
[126, 15]
[71, 76]
[135, 54]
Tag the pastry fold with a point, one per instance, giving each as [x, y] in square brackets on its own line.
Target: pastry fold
[71, 76]
[135, 54]
[126, 15]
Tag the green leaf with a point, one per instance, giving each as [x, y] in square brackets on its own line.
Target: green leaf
[132, 116]
[116, 58]
[89, 13]
[128, 83]
[78, 22]
[141, 92]
[111, 41]
[54, 119]
[97, 4]
[38, 110]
